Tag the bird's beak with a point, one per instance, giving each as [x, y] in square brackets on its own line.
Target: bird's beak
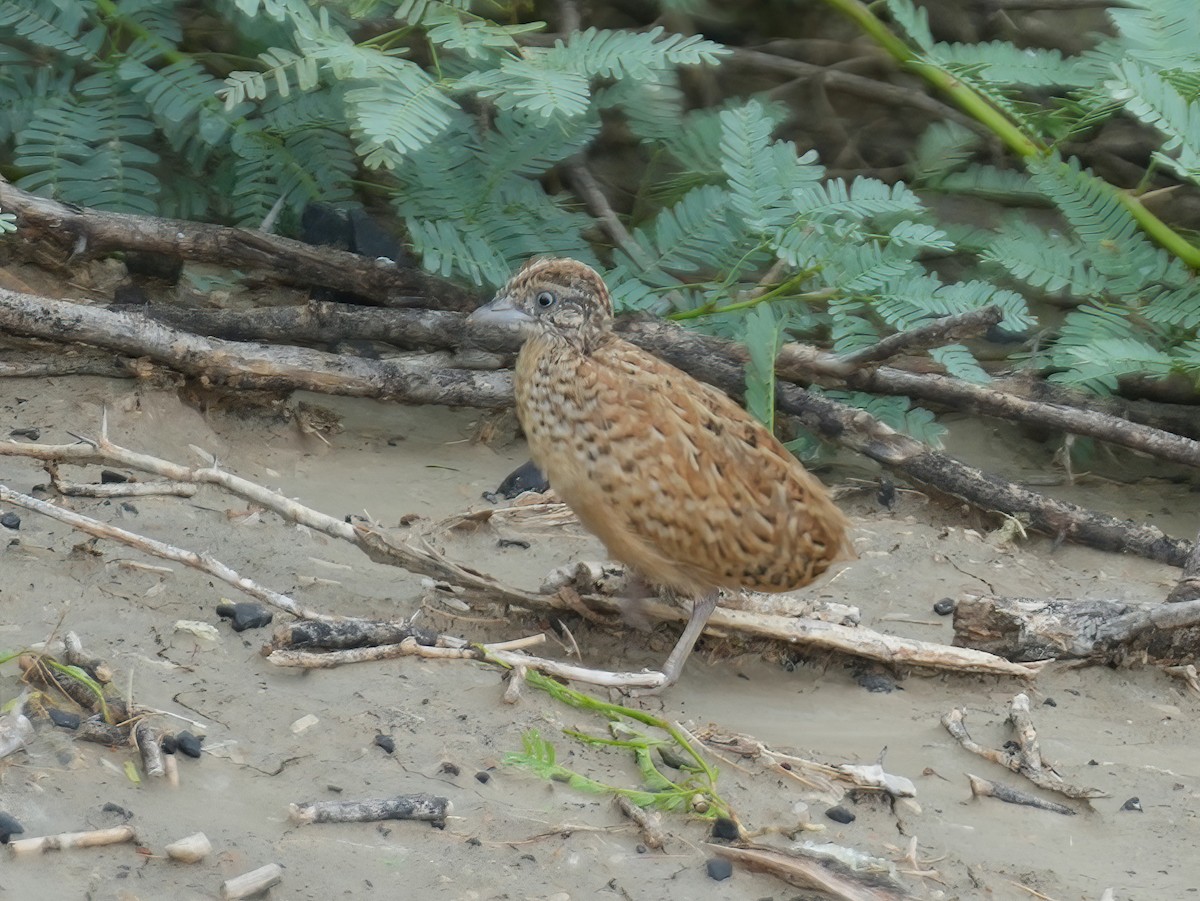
[501, 311]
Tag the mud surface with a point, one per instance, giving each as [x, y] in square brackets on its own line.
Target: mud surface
[513, 836]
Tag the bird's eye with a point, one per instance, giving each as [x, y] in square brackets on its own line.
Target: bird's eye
[546, 299]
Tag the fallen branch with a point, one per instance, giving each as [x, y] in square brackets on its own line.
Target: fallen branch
[808, 869]
[402, 807]
[1022, 756]
[66, 841]
[85, 232]
[248, 885]
[985, 788]
[1095, 629]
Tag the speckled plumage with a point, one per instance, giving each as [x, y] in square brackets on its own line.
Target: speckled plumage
[678, 481]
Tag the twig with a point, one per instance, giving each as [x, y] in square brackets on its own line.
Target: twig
[807, 870]
[253, 883]
[985, 788]
[939, 332]
[649, 822]
[588, 188]
[66, 841]
[401, 807]
[1024, 757]
[118, 489]
[203, 562]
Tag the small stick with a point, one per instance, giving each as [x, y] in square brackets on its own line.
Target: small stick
[253, 883]
[938, 333]
[1186, 672]
[983, 788]
[402, 807]
[75, 655]
[202, 562]
[516, 682]
[171, 769]
[118, 489]
[649, 822]
[149, 744]
[65, 841]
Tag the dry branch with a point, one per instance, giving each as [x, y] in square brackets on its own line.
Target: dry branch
[401, 550]
[1023, 755]
[401, 807]
[1100, 630]
[264, 367]
[85, 232]
[808, 870]
[244, 365]
[986, 788]
[66, 841]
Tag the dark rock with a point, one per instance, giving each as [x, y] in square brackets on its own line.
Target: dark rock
[8, 828]
[526, 477]
[840, 814]
[944, 607]
[1133, 804]
[63, 718]
[724, 827]
[483, 777]
[386, 742]
[244, 615]
[10, 520]
[188, 744]
[878, 683]
[719, 869]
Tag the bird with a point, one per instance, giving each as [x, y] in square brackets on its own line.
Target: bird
[675, 478]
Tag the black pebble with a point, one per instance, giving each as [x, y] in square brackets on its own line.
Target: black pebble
[63, 718]
[386, 742]
[840, 814]
[887, 493]
[719, 869]
[8, 828]
[877, 683]
[188, 744]
[110, 807]
[112, 477]
[33, 433]
[244, 615]
[1133, 804]
[526, 477]
[944, 607]
[483, 777]
[640, 848]
[1050, 702]
[450, 769]
[10, 520]
[724, 827]
[169, 744]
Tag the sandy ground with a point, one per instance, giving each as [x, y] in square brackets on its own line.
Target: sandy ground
[1129, 733]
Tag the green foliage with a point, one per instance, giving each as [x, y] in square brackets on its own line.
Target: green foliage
[1135, 305]
[642, 734]
[471, 126]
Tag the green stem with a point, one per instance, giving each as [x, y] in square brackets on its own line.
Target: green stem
[781, 290]
[996, 121]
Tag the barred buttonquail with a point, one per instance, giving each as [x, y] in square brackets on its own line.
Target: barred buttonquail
[678, 481]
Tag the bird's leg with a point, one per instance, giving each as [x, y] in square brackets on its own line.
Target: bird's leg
[702, 609]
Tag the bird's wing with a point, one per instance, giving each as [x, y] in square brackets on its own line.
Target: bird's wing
[674, 470]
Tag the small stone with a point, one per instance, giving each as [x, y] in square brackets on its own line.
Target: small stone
[169, 744]
[8, 828]
[244, 615]
[877, 683]
[719, 869]
[10, 520]
[483, 777]
[944, 607]
[192, 849]
[724, 827]
[33, 433]
[386, 742]
[188, 744]
[1049, 702]
[526, 477]
[840, 814]
[450, 769]
[63, 718]
[1133, 804]
[112, 477]
[117, 810]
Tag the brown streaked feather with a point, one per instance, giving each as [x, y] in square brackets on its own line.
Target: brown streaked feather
[677, 480]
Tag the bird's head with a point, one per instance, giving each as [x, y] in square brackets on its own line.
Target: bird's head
[556, 296]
